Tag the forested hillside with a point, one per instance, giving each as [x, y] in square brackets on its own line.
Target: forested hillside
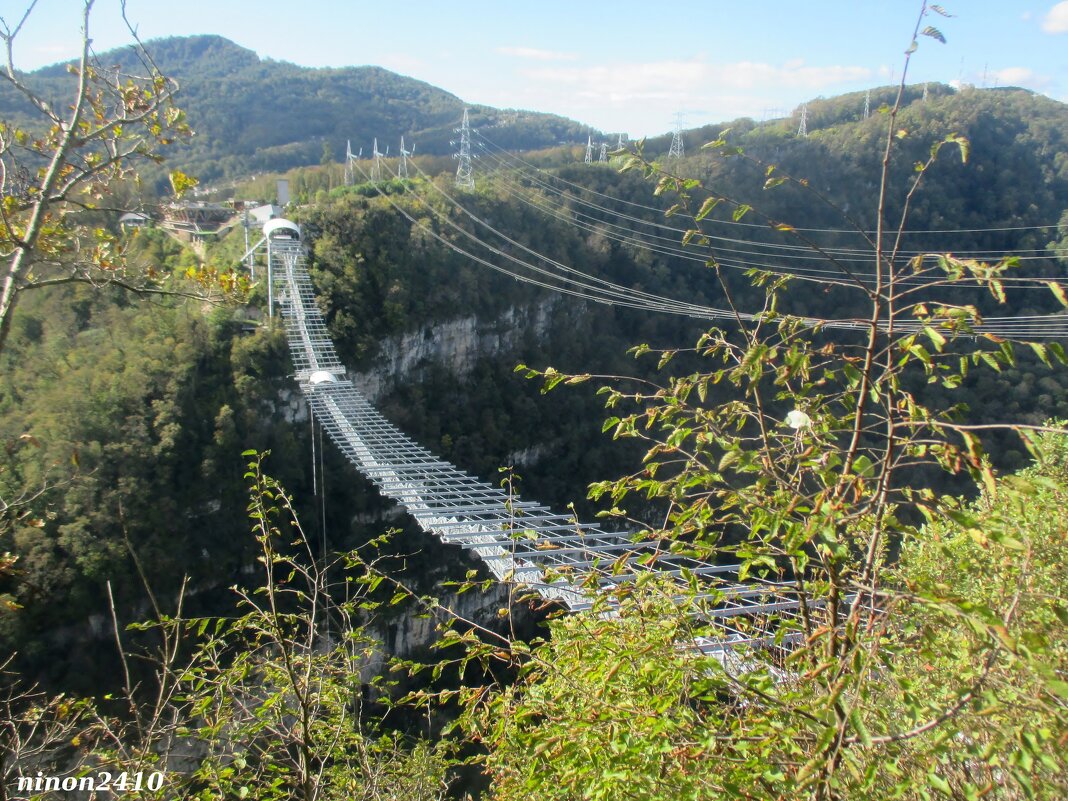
[124, 418]
[98, 387]
[252, 115]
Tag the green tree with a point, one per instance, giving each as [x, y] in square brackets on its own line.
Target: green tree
[263, 705]
[864, 675]
[65, 160]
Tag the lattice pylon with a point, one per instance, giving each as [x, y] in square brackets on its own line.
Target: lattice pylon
[402, 166]
[603, 157]
[678, 149]
[589, 150]
[867, 104]
[465, 177]
[376, 167]
[349, 178]
[802, 129]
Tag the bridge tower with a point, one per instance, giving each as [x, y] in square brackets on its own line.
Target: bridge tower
[802, 129]
[465, 178]
[677, 150]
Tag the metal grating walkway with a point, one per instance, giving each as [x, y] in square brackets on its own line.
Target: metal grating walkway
[520, 541]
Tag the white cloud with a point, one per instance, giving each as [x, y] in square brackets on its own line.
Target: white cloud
[536, 54]
[1014, 76]
[1056, 20]
[643, 97]
[666, 78]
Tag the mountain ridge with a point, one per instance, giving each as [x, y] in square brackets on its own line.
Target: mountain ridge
[253, 114]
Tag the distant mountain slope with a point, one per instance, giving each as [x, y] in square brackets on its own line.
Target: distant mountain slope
[253, 115]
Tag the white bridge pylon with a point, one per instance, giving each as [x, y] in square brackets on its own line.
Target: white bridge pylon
[521, 542]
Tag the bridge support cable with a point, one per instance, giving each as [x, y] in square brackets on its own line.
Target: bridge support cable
[521, 542]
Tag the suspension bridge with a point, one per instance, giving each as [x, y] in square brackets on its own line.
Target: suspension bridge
[521, 542]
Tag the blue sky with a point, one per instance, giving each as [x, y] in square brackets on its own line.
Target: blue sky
[619, 66]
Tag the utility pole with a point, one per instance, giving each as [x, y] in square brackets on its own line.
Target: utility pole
[465, 178]
[802, 129]
[867, 104]
[349, 178]
[589, 149]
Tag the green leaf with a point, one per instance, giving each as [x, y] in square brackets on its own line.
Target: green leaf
[707, 207]
[1058, 293]
[863, 466]
[934, 33]
[1040, 352]
[1058, 687]
[741, 211]
[858, 725]
[728, 458]
[936, 338]
[939, 784]
[182, 183]
[963, 144]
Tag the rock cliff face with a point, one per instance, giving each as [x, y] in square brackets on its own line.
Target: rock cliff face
[455, 345]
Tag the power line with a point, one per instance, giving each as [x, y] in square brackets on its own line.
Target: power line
[574, 282]
[725, 245]
[742, 224]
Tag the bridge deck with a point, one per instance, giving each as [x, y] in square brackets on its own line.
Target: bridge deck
[519, 541]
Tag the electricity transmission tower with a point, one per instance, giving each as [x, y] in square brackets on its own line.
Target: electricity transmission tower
[348, 163]
[402, 170]
[589, 150]
[465, 178]
[802, 129]
[619, 144]
[677, 148]
[867, 104]
[603, 157]
[925, 92]
[376, 168]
